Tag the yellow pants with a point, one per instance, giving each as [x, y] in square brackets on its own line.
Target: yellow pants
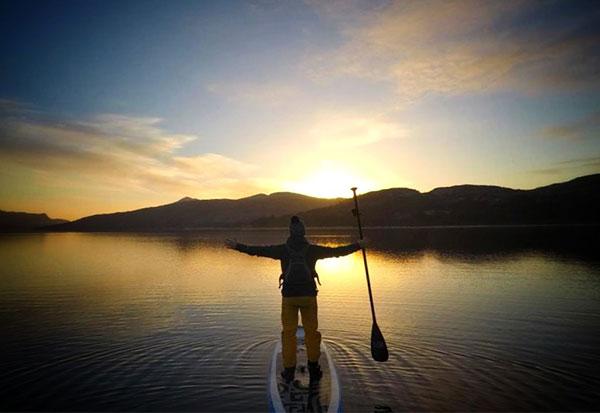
[289, 321]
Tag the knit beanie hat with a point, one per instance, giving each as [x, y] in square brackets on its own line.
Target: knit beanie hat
[296, 227]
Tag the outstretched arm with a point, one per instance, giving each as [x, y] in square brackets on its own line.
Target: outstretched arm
[329, 252]
[269, 251]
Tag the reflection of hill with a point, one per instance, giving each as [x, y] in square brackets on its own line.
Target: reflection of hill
[573, 202]
[23, 221]
[487, 242]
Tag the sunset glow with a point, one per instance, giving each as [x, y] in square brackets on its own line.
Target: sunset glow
[227, 100]
[331, 181]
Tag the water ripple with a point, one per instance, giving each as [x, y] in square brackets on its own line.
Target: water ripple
[173, 333]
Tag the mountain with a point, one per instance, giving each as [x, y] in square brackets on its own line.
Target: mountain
[24, 221]
[189, 213]
[573, 202]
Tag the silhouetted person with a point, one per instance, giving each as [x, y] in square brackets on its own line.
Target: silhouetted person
[298, 258]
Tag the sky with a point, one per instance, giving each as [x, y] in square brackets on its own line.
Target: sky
[111, 106]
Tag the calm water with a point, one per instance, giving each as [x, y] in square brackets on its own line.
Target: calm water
[475, 319]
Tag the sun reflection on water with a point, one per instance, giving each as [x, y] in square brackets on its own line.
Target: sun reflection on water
[175, 310]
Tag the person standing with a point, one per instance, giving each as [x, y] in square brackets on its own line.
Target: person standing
[299, 291]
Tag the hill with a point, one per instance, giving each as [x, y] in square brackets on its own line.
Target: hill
[189, 213]
[573, 202]
[24, 221]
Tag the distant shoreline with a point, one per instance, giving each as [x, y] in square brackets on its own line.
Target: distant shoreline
[309, 228]
[576, 202]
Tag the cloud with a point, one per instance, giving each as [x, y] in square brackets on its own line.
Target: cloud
[578, 165]
[261, 93]
[9, 105]
[14, 107]
[586, 127]
[335, 130]
[122, 153]
[454, 47]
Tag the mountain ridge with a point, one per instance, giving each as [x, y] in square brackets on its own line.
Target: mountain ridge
[11, 221]
[189, 213]
[572, 202]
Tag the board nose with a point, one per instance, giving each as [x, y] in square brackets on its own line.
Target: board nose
[300, 335]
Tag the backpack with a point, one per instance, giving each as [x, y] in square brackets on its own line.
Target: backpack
[297, 271]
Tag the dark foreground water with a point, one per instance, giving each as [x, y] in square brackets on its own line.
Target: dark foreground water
[492, 319]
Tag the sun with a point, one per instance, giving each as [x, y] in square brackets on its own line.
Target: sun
[330, 181]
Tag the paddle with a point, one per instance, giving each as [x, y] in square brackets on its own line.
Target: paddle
[378, 347]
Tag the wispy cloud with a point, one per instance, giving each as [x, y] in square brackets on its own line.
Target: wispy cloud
[586, 127]
[127, 154]
[352, 130]
[454, 47]
[11, 106]
[573, 166]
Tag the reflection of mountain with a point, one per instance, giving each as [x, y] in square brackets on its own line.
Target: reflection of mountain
[23, 221]
[488, 242]
[573, 202]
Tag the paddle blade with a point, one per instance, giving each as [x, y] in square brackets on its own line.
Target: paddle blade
[379, 349]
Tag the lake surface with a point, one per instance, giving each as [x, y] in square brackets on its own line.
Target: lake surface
[492, 319]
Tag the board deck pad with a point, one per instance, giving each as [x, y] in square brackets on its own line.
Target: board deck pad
[301, 395]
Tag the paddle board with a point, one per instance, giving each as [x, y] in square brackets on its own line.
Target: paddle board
[300, 395]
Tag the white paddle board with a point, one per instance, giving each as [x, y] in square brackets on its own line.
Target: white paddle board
[300, 395]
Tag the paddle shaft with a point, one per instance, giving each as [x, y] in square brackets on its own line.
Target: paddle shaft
[364, 254]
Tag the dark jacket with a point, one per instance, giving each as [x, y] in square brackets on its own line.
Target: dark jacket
[313, 253]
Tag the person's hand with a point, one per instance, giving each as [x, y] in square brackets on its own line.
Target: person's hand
[231, 243]
[362, 243]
